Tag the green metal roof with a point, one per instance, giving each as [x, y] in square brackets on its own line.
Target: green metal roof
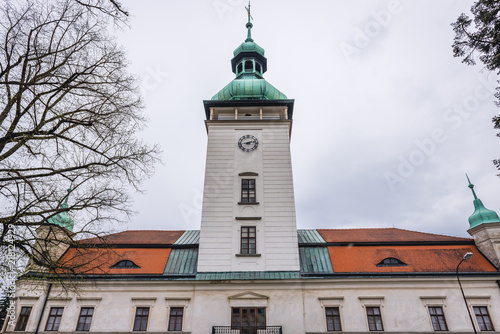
[248, 47]
[182, 261]
[310, 237]
[249, 87]
[481, 215]
[247, 275]
[315, 260]
[190, 237]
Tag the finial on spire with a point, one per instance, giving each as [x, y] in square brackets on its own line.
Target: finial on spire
[65, 204]
[471, 186]
[249, 24]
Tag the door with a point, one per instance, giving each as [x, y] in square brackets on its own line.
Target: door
[248, 319]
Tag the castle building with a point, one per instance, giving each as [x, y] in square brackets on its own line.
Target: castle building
[249, 270]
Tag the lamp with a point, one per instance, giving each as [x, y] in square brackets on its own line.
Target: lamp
[467, 256]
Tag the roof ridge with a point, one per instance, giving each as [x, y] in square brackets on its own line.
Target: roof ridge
[391, 228]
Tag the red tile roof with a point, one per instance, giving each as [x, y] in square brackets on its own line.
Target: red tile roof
[99, 260]
[143, 237]
[364, 259]
[383, 235]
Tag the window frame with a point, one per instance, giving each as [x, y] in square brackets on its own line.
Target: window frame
[256, 318]
[333, 316]
[23, 319]
[85, 317]
[391, 262]
[55, 317]
[374, 317]
[487, 315]
[438, 317]
[247, 240]
[125, 264]
[141, 317]
[175, 317]
[246, 191]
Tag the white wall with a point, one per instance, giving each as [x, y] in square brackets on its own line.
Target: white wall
[276, 228]
[297, 305]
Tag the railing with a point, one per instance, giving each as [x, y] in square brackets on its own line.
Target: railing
[247, 330]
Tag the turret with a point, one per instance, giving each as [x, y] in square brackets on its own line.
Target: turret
[53, 238]
[485, 229]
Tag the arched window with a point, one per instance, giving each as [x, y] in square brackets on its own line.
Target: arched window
[391, 262]
[125, 264]
[239, 69]
[248, 65]
[258, 69]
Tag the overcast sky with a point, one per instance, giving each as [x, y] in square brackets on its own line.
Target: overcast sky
[386, 121]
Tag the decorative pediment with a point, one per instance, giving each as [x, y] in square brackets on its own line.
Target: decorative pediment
[248, 295]
[248, 299]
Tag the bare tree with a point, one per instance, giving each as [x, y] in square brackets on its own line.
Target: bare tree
[69, 115]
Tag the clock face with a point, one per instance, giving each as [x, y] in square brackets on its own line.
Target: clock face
[248, 143]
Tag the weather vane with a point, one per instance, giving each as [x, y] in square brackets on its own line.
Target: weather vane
[248, 10]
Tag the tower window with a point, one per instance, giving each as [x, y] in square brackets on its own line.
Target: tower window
[248, 240]
[248, 191]
[239, 69]
[258, 68]
[248, 65]
[391, 262]
[125, 264]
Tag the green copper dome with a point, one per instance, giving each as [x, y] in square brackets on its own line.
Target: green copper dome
[249, 88]
[481, 215]
[248, 47]
[249, 64]
[62, 218]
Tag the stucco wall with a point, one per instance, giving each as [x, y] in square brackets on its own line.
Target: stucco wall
[297, 305]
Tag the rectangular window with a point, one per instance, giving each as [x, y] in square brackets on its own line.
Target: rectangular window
[23, 318]
[332, 319]
[54, 319]
[85, 319]
[483, 318]
[248, 191]
[437, 318]
[374, 319]
[175, 320]
[248, 317]
[141, 319]
[248, 240]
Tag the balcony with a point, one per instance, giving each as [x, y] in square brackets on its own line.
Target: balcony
[247, 330]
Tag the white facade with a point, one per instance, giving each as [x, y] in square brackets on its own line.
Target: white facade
[273, 214]
[296, 305]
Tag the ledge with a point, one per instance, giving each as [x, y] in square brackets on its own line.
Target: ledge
[252, 203]
[248, 218]
[248, 255]
[248, 174]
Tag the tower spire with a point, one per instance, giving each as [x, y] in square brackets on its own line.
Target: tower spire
[471, 186]
[249, 24]
[481, 215]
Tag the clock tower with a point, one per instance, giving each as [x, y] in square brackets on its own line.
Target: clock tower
[248, 215]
